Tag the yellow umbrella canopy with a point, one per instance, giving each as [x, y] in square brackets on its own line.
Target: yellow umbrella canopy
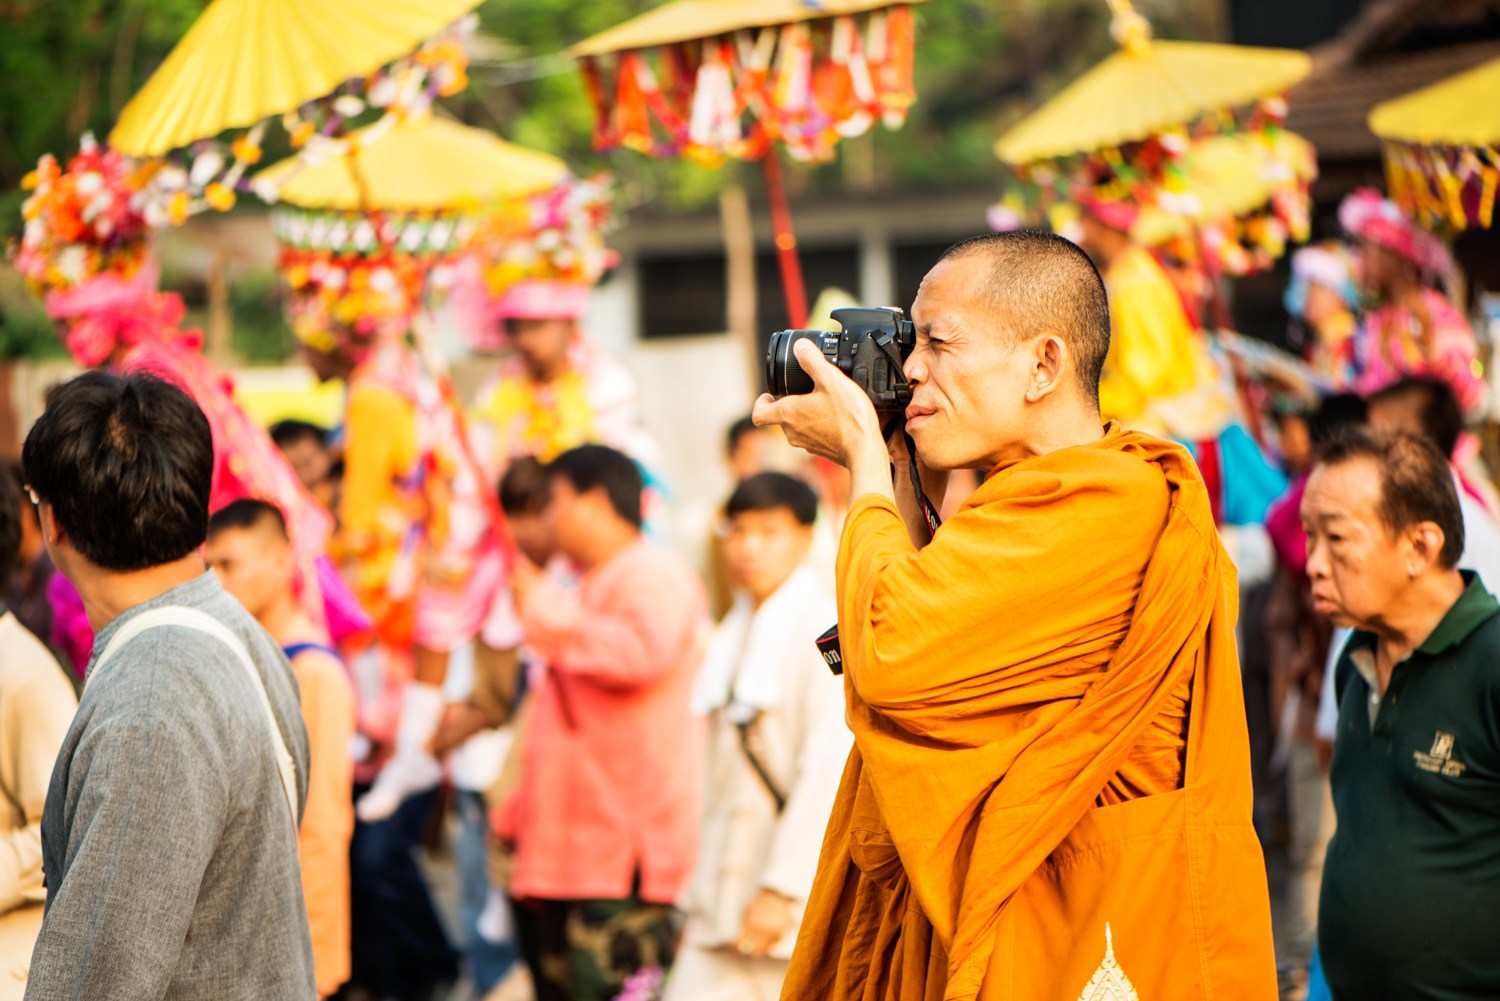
[246, 60]
[1147, 88]
[420, 165]
[1442, 149]
[1459, 111]
[687, 20]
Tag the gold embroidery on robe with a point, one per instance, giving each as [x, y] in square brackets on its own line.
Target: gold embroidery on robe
[1109, 982]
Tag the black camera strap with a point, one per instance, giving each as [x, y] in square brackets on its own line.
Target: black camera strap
[928, 509]
[929, 512]
[886, 341]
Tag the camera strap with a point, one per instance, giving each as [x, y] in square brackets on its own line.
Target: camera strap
[928, 509]
[929, 512]
[886, 341]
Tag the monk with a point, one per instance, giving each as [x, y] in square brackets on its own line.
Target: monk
[1049, 795]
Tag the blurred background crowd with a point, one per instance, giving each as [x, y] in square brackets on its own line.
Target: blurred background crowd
[425, 350]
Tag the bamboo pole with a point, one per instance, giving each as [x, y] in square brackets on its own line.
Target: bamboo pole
[739, 275]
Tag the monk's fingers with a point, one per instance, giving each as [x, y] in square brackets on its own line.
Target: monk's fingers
[766, 411]
[815, 364]
[797, 418]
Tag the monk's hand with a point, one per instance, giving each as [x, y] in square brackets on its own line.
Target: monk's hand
[767, 920]
[836, 420]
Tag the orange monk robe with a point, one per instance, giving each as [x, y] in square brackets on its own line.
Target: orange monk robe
[1028, 782]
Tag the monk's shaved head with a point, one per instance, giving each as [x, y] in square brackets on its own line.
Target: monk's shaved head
[1040, 282]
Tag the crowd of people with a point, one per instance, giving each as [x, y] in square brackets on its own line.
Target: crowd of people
[1056, 737]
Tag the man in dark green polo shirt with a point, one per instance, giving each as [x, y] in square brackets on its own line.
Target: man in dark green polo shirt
[1410, 907]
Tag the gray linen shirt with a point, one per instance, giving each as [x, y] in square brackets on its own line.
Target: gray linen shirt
[170, 857]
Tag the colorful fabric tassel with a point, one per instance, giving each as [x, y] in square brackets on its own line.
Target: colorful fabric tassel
[806, 85]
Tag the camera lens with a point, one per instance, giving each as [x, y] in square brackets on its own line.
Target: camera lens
[784, 375]
[798, 382]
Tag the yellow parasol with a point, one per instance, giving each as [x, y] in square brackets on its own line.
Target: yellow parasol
[426, 164]
[246, 60]
[1146, 88]
[714, 79]
[687, 20]
[1442, 148]
[1227, 177]
[1459, 111]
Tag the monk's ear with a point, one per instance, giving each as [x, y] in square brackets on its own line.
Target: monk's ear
[1049, 360]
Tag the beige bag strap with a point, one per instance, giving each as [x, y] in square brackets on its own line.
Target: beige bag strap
[191, 618]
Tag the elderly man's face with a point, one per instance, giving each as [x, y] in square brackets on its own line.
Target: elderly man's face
[1358, 569]
[968, 378]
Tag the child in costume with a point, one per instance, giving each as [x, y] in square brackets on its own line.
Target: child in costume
[418, 542]
[1323, 297]
[1414, 328]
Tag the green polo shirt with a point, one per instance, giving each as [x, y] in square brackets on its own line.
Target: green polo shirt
[1410, 907]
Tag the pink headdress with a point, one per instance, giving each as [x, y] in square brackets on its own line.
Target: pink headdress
[539, 299]
[1116, 214]
[108, 312]
[538, 258]
[1366, 215]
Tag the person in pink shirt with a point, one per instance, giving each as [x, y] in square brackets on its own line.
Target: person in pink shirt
[605, 822]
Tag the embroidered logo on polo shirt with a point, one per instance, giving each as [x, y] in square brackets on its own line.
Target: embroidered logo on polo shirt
[1439, 760]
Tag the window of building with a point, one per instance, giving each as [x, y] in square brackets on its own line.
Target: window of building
[912, 262]
[684, 294]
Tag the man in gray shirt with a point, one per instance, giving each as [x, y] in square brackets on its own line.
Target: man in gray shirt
[169, 839]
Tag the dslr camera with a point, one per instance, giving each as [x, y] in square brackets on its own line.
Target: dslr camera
[871, 348]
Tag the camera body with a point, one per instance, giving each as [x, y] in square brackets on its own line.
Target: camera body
[871, 348]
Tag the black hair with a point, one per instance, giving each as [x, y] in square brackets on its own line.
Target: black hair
[524, 489]
[590, 466]
[1335, 412]
[1041, 281]
[738, 430]
[10, 529]
[1416, 482]
[288, 432]
[246, 513]
[770, 491]
[1438, 412]
[125, 462]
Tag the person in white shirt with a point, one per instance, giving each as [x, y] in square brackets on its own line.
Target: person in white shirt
[36, 706]
[777, 738]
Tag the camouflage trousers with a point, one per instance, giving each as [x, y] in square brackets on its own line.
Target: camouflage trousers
[585, 950]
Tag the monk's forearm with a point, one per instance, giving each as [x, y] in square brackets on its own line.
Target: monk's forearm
[870, 469]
